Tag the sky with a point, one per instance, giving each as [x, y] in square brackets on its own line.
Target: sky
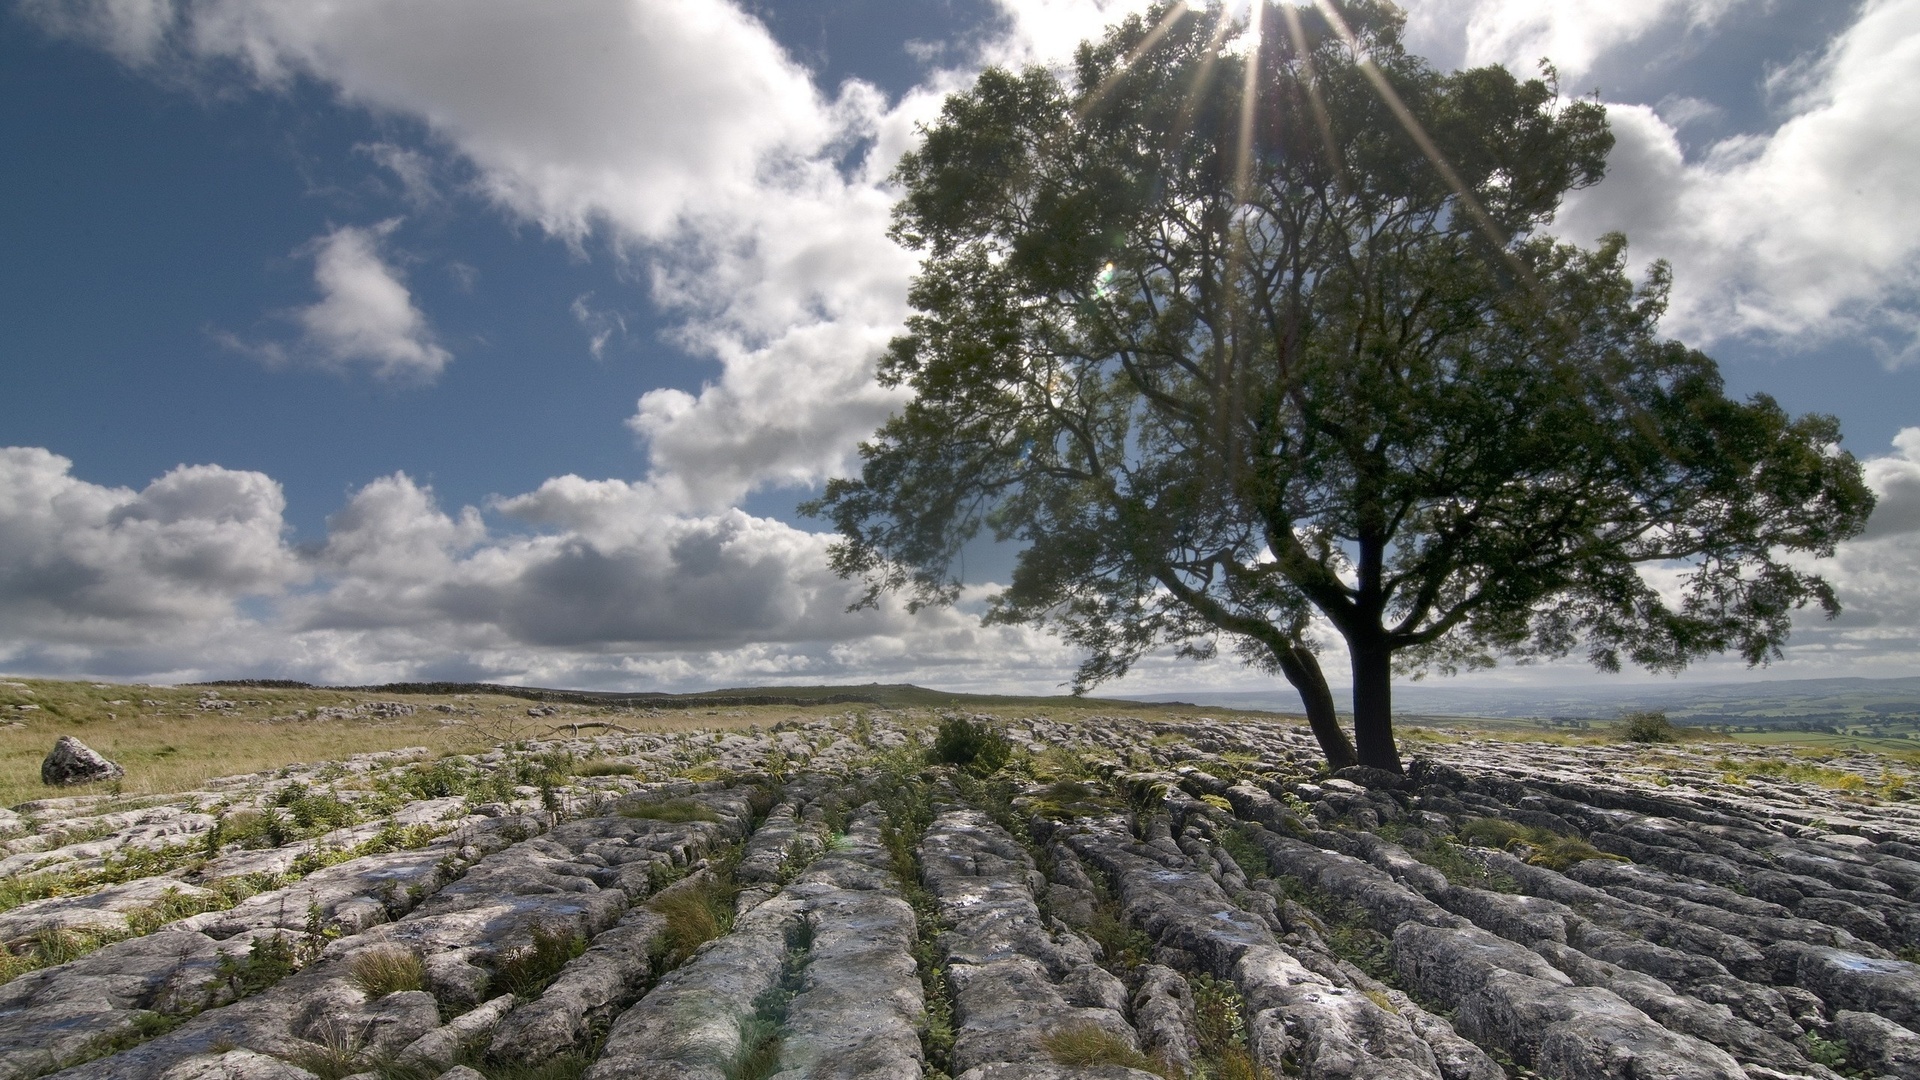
[372, 340]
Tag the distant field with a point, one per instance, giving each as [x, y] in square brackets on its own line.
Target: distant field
[168, 742]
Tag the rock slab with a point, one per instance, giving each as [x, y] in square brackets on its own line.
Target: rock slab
[74, 762]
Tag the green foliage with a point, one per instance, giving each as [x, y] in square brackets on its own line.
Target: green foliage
[1245, 851]
[906, 805]
[314, 811]
[758, 1056]
[1647, 727]
[971, 745]
[1123, 947]
[439, 780]
[1220, 1026]
[568, 1066]
[269, 959]
[524, 972]
[1218, 363]
[1823, 1051]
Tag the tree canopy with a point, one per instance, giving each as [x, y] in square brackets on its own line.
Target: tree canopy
[1256, 319]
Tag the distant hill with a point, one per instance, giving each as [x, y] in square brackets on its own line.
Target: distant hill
[888, 695]
[1875, 705]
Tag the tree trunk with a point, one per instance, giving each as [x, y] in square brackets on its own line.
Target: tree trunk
[1373, 705]
[1303, 671]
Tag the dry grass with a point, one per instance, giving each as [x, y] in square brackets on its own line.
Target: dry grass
[174, 745]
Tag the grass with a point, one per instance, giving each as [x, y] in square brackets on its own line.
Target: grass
[1548, 848]
[605, 768]
[526, 971]
[174, 745]
[672, 810]
[384, 971]
[127, 864]
[1086, 1046]
[696, 912]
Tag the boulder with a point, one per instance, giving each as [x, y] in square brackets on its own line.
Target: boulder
[74, 762]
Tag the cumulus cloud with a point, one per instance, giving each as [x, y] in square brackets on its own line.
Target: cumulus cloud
[606, 572]
[91, 565]
[365, 315]
[755, 206]
[1518, 33]
[1802, 233]
[1877, 577]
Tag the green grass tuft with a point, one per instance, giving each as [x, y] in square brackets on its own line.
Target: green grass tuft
[675, 811]
[384, 971]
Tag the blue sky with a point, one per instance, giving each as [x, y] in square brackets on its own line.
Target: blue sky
[487, 339]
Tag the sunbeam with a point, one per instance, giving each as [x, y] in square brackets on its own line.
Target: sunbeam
[1318, 104]
[1099, 93]
[1249, 103]
[1415, 130]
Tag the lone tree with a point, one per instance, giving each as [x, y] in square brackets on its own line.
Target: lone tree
[1256, 321]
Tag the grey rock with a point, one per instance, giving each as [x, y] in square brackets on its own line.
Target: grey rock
[589, 990]
[1163, 1014]
[236, 1065]
[858, 1011]
[1848, 980]
[1874, 1042]
[441, 1046]
[1012, 977]
[74, 762]
[688, 1027]
[1510, 998]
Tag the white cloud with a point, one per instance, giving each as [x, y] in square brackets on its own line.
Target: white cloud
[91, 565]
[365, 315]
[1877, 578]
[1799, 234]
[678, 131]
[599, 323]
[1518, 33]
[678, 125]
[132, 30]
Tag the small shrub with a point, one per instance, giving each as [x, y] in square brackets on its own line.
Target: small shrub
[672, 810]
[969, 745]
[1217, 1021]
[268, 960]
[1829, 1052]
[1647, 727]
[1124, 947]
[386, 971]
